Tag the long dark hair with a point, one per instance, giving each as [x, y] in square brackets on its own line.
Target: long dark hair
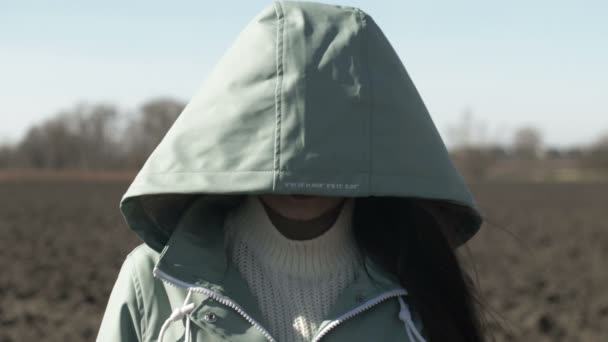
[412, 238]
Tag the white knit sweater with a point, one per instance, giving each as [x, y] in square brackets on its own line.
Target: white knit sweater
[295, 281]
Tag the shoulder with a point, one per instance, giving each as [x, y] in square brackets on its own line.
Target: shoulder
[140, 263]
[138, 266]
[125, 317]
[143, 250]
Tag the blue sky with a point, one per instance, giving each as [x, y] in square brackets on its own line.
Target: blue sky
[515, 63]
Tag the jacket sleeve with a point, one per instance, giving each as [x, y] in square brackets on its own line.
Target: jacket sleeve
[122, 318]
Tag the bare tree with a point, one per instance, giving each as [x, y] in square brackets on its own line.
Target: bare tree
[30, 151]
[92, 137]
[48, 145]
[472, 153]
[81, 137]
[527, 142]
[147, 129]
[596, 156]
[95, 127]
[6, 156]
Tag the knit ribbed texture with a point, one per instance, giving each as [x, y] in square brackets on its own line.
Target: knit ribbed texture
[295, 282]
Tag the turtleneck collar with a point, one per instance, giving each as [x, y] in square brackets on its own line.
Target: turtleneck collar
[334, 249]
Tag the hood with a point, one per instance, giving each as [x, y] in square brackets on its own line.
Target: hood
[310, 98]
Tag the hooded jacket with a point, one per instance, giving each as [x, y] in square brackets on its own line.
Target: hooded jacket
[311, 98]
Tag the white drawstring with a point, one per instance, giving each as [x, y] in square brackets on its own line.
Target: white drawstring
[186, 308]
[406, 316]
[176, 315]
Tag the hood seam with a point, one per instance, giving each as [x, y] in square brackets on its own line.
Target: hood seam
[279, 89]
[364, 50]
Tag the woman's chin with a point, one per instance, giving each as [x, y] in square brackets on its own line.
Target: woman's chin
[299, 207]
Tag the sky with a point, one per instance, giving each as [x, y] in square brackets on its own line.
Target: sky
[509, 63]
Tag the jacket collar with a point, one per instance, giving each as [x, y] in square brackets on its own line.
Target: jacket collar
[195, 256]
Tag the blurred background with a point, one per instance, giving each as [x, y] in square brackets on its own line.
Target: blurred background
[518, 91]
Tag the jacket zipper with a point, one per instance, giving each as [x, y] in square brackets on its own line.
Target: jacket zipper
[359, 309]
[226, 301]
[216, 296]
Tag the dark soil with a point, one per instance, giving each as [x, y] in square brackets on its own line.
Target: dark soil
[541, 260]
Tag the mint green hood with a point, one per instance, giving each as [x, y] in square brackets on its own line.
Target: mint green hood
[309, 99]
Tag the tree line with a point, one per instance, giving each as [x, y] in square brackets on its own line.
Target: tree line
[477, 156]
[93, 137]
[101, 137]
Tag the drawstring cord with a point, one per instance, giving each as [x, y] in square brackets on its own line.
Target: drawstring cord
[406, 316]
[178, 314]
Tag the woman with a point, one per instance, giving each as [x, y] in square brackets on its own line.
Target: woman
[303, 194]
